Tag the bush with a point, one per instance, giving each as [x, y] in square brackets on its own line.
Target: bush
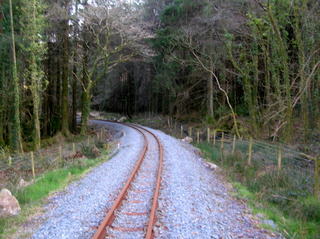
[90, 151]
[307, 209]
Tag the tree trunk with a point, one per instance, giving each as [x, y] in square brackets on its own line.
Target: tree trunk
[282, 50]
[2, 110]
[85, 98]
[75, 80]
[210, 96]
[65, 82]
[15, 142]
[35, 87]
[74, 97]
[36, 104]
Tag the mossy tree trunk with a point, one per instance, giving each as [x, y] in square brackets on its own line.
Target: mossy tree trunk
[32, 22]
[210, 93]
[74, 71]
[249, 96]
[86, 92]
[2, 110]
[282, 50]
[15, 141]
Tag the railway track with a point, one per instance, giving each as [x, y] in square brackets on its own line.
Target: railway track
[133, 213]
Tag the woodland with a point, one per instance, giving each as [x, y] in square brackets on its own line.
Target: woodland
[248, 66]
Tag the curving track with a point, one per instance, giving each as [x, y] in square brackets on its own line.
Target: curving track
[133, 213]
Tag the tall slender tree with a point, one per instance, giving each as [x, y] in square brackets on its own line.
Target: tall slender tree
[65, 80]
[32, 22]
[16, 141]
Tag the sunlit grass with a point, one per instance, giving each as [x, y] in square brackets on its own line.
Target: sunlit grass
[31, 197]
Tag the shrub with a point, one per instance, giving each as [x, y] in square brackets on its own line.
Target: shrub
[307, 209]
[88, 150]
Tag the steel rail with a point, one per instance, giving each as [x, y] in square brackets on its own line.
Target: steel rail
[109, 218]
[152, 217]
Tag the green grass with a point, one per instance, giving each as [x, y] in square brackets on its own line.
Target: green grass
[32, 197]
[296, 212]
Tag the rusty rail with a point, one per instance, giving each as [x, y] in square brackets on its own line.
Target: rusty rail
[109, 218]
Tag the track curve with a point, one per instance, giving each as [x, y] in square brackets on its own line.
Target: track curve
[115, 211]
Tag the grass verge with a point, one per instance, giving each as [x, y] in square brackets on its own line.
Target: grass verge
[33, 196]
[274, 195]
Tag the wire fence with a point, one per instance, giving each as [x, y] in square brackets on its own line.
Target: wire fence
[28, 166]
[268, 159]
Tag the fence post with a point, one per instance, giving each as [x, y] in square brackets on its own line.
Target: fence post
[208, 135]
[279, 159]
[222, 146]
[190, 132]
[88, 140]
[317, 178]
[74, 148]
[32, 165]
[214, 137]
[10, 161]
[222, 140]
[250, 152]
[60, 154]
[198, 136]
[181, 131]
[234, 144]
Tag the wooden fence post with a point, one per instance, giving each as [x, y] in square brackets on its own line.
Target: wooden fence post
[74, 148]
[250, 151]
[222, 146]
[234, 144]
[60, 154]
[88, 140]
[190, 132]
[222, 140]
[317, 178]
[198, 136]
[208, 135]
[181, 132]
[279, 159]
[10, 161]
[32, 165]
[214, 137]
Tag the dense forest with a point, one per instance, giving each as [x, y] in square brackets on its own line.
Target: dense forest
[250, 66]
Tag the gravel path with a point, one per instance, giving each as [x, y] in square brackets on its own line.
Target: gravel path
[194, 202]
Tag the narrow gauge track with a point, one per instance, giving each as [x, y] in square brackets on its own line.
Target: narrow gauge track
[140, 192]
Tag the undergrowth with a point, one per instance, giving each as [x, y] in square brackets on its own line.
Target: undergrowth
[34, 195]
[277, 195]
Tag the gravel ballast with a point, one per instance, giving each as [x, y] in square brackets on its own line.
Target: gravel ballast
[194, 201]
[74, 213]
